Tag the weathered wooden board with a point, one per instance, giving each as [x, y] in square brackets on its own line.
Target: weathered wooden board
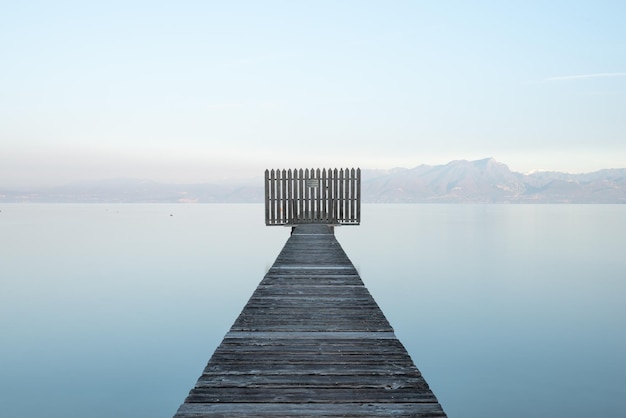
[311, 341]
[370, 409]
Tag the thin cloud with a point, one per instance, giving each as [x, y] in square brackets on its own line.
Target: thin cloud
[585, 76]
[225, 105]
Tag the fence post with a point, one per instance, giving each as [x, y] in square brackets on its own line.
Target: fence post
[351, 186]
[267, 206]
[301, 196]
[358, 195]
[324, 192]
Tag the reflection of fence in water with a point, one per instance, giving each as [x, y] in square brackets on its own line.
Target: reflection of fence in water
[306, 196]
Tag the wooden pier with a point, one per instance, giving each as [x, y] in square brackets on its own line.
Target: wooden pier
[311, 341]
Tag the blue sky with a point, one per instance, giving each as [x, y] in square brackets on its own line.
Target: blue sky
[201, 90]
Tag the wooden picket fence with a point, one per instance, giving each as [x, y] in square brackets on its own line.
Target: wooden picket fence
[294, 197]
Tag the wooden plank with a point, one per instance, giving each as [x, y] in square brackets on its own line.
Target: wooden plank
[352, 216]
[236, 410]
[362, 381]
[307, 197]
[324, 194]
[299, 394]
[358, 195]
[311, 341]
[318, 197]
[272, 197]
[289, 210]
[301, 197]
[341, 194]
[332, 196]
[283, 196]
[267, 197]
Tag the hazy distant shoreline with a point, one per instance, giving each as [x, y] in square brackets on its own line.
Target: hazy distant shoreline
[480, 181]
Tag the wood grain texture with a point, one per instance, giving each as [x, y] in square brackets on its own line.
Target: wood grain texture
[311, 342]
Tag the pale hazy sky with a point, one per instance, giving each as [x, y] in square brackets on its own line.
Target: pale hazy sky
[187, 90]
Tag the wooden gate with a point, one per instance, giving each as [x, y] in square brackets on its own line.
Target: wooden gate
[294, 197]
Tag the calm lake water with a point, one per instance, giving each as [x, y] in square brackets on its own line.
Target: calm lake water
[508, 310]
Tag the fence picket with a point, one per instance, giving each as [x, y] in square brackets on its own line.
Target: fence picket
[357, 196]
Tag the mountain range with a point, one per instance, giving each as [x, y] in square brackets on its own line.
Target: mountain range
[489, 181]
[481, 181]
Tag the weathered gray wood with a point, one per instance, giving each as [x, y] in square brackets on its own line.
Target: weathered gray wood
[312, 196]
[340, 200]
[290, 185]
[267, 195]
[370, 409]
[272, 197]
[301, 196]
[311, 341]
[357, 196]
